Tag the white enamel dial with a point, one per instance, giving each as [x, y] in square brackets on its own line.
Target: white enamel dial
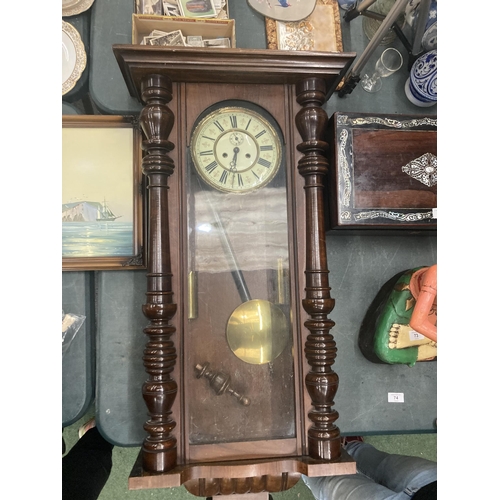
[236, 150]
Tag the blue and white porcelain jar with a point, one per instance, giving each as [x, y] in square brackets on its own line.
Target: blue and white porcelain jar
[421, 86]
[412, 12]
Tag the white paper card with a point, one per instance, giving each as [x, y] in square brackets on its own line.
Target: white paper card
[434, 213]
[395, 397]
[415, 335]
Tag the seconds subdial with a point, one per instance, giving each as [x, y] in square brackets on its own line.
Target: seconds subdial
[236, 138]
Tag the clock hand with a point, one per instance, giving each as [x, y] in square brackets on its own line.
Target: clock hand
[236, 150]
[233, 164]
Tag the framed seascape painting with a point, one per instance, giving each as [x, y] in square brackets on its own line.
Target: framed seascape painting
[102, 194]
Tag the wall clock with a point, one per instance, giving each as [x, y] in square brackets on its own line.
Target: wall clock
[240, 386]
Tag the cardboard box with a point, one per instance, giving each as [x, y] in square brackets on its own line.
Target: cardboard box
[143, 25]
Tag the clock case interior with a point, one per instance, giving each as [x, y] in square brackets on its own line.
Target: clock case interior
[268, 425]
[237, 256]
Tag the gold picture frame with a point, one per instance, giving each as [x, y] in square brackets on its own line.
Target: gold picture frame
[320, 31]
[102, 193]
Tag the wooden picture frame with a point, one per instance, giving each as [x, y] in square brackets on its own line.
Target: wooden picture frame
[320, 31]
[102, 193]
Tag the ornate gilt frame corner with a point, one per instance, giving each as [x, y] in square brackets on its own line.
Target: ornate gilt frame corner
[271, 34]
[272, 31]
[338, 26]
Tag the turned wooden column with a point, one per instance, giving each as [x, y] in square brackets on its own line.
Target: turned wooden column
[321, 381]
[159, 449]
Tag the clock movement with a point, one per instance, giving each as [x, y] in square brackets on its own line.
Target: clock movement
[240, 385]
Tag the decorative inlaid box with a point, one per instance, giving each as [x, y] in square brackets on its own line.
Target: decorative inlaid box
[383, 171]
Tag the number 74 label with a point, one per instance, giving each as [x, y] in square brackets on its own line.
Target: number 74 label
[395, 397]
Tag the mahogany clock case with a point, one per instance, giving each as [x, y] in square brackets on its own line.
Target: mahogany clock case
[296, 435]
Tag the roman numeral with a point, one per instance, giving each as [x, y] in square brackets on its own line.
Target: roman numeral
[248, 124]
[240, 180]
[207, 153]
[211, 167]
[219, 126]
[266, 148]
[223, 177]
[234, 121]
[264, 163]
[209, 138]
[262, 132]
[256, 175]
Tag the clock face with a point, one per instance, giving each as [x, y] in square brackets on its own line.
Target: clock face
[236, 150]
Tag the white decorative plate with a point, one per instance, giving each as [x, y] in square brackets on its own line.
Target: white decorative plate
[74, 57]
[281, 10]
[74, 7]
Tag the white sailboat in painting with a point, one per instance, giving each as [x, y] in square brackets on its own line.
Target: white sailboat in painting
[92, 229]
[87, 211]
